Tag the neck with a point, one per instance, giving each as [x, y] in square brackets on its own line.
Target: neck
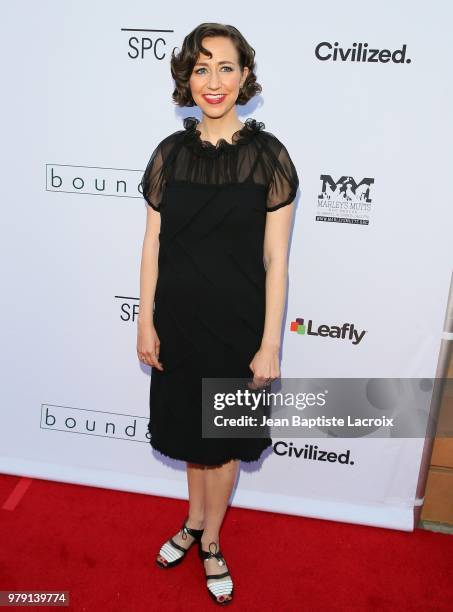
[214, 128]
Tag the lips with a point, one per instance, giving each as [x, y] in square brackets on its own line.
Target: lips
[214, 99]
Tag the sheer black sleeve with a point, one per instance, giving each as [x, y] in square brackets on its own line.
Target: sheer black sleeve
[284, 182]
[153, 179]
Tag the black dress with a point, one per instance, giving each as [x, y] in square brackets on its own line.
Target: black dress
[209, 304]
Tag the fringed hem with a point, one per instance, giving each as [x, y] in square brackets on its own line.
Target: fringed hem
[220, 461]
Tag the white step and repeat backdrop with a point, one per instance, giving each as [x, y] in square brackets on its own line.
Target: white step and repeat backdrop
[360, 94]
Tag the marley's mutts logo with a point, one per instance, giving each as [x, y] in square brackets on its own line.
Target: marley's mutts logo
[345, 200]
[346, 332]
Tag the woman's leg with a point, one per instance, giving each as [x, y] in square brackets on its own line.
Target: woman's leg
[219, 482]
[196, 486]
[196, 514]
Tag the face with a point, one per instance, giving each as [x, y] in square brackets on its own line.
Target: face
[215, 81]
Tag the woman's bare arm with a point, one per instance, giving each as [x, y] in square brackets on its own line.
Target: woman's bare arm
[265, 363]
[148, 343]
[276, 238]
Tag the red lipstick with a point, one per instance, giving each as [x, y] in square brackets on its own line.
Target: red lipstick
[214, 98]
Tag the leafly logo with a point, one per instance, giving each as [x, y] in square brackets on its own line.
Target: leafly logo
[345, 200]
[359, 52]
[346, 332]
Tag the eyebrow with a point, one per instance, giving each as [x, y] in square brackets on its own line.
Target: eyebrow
[206, 64]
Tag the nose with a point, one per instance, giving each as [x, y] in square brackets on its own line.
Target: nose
[214, 80]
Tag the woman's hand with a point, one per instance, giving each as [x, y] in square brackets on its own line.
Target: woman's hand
[148, 345]
[265, 365]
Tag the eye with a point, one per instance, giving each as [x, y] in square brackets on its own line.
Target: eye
[228, 69]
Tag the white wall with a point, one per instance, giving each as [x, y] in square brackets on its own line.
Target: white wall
[78, 102]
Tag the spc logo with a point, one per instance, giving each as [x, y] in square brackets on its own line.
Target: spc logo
[345, 200]
[151, 43]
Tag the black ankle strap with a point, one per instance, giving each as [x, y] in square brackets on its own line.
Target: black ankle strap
[208, 554]
[195, 533]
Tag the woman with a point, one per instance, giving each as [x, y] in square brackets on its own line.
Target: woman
[214, 264]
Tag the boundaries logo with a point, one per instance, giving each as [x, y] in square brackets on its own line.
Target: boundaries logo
[346, 332]
[94, 422]
[94, 180]
[359, 52]
[345, 200]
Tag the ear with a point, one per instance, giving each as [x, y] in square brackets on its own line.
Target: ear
[245, 73]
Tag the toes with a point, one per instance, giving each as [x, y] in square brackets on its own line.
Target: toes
[222, 598]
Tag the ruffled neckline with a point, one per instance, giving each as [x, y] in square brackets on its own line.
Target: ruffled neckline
[206, 148]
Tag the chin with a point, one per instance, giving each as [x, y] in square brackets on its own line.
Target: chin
[215, 110]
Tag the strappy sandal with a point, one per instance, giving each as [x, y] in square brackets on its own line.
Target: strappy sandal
[174, 553]
[217, 590]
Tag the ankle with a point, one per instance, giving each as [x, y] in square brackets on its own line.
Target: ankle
[195, 522]
[207, 538]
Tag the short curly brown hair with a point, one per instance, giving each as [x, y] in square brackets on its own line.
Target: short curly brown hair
[182, 63]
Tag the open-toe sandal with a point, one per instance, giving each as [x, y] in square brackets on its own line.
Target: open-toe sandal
[221, 591]
[172, 552]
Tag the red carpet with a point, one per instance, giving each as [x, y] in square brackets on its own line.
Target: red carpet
[100, 545]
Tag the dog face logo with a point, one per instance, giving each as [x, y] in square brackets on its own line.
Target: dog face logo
[345, 200]
[346, 188]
